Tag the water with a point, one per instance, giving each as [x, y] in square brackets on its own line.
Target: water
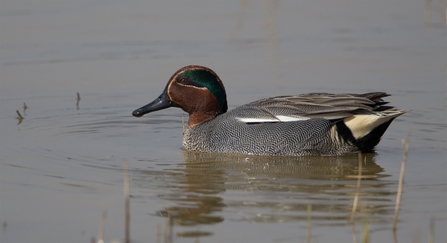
[61, 166]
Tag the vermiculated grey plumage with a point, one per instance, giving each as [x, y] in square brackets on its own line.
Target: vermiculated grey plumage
[317, 133]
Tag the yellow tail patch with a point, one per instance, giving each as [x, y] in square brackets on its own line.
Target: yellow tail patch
[361, 125]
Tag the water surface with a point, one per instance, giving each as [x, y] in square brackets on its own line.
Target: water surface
[61, 166]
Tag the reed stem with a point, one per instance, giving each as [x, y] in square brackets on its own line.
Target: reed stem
[405, 148]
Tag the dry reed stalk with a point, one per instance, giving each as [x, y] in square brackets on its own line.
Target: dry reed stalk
[126, 203]
[158, 233]
[102, 227]
[357, 190]
[20, 115]
[309, 223]
[405, 148]
[77, 100]
[365, 232]
[168, 229]
[354, 234]
[431, 232]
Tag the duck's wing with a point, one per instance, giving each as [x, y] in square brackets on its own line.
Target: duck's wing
[314, 105]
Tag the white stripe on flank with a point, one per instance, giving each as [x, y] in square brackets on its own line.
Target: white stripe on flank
[290, 118]
[279, 119]
[256, 120]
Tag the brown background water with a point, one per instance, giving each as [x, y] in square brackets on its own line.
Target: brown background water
[62, 165]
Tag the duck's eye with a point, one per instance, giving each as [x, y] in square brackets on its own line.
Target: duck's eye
[183, 80]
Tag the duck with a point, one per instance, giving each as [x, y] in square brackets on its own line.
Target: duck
[290, 125]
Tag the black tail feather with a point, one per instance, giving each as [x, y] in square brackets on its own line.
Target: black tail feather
[366, 143]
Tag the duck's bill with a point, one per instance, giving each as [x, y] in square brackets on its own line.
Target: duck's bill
[162, 102]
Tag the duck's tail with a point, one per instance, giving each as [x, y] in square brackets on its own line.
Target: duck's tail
[365, 130]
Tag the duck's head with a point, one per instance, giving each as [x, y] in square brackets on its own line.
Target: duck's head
[196, 89]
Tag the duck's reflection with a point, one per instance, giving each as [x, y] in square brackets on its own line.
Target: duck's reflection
[275, 189]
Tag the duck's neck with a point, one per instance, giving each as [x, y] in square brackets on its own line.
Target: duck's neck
[199, 117]
[204, 107]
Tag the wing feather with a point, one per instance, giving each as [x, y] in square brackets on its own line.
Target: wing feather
[313, 105]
